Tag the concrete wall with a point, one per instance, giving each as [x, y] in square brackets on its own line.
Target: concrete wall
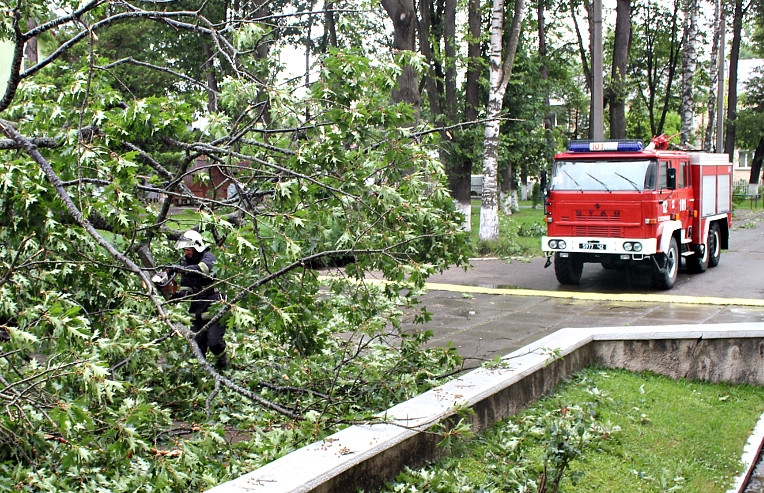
[713, 360]
[363, 457]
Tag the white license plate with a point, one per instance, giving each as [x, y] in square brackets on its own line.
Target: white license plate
[592, 246]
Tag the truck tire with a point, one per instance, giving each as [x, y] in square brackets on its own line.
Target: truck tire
[568, 269]
[699, 263]
[714, 245]
[665, 278]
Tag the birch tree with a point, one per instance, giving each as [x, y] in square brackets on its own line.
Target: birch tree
[499, 78]
[714, 76]
[689, 55]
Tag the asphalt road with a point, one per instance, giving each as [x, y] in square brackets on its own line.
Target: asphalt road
[498, 306]
[739, 274]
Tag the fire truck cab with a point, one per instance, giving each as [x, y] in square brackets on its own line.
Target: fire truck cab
[621, 205]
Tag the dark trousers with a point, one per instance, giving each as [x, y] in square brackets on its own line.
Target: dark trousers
[212, 338]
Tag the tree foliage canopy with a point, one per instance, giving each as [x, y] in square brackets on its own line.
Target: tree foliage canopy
[102, 384]
[751, 116]
[130, 106]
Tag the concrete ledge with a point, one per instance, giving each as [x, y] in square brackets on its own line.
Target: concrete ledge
[366, 456]
[750, 457]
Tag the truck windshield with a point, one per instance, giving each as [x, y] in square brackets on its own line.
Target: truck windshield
[611, 176]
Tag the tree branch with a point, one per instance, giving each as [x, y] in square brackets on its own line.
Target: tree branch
[47, 142]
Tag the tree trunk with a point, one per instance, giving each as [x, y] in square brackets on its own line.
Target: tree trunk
[330, 26]
[212, 82]
[689, 55]
[459, 166]
[460, 171]
[425, 47]
[590, 19]
[581, 49]
[474, 64]
[508, 203]
[440, 84]
[403, 15]
[618, 90]
[656, 68]
[737, 30]
[499, 78]
[449, 39]
[756, 165]
[544, 72]
[30, 50]
[708, 141]
[544, 69]
[673, 63]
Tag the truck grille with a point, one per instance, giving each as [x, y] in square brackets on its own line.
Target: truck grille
[610, 224]
[599, 230]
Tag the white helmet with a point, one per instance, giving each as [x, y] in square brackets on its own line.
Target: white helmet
[191, 239]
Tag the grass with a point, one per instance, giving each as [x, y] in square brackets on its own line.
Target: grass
[748, 203]
[184, 219]
[519, 233]
[655, 434]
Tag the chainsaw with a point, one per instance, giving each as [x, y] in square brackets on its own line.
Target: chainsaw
[165, 283]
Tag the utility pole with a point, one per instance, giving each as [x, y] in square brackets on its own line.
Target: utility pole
[720, 89]
[597, 117]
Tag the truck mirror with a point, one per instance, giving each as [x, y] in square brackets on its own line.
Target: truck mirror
[671, 178]
[543, 182]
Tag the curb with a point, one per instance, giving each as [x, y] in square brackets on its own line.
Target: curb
[365, 456]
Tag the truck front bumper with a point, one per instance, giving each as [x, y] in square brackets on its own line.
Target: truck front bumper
[624, 248]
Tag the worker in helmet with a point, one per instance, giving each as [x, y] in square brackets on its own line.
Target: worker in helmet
[196, 270]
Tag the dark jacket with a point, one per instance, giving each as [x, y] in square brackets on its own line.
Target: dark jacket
[195, 281]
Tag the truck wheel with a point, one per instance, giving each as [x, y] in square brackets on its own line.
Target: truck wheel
[699, 263]
[714, 245]
[667, 278]
[568, 269]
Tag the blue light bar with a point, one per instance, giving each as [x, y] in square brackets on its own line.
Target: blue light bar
[604, 146]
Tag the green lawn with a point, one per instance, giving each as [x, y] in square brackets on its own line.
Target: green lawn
[184, 219]
[519, 234]
[635, 432]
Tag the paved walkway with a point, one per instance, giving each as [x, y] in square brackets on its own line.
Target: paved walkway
[483, 321]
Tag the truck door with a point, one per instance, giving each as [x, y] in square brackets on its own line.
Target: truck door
[675, 206]
[685, 198]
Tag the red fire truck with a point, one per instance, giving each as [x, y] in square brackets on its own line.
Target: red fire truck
[621, 205]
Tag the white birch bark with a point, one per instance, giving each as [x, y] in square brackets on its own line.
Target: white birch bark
[688, 69]
[466, 209]
[508, 202]
[713, 74]
[499, 75]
